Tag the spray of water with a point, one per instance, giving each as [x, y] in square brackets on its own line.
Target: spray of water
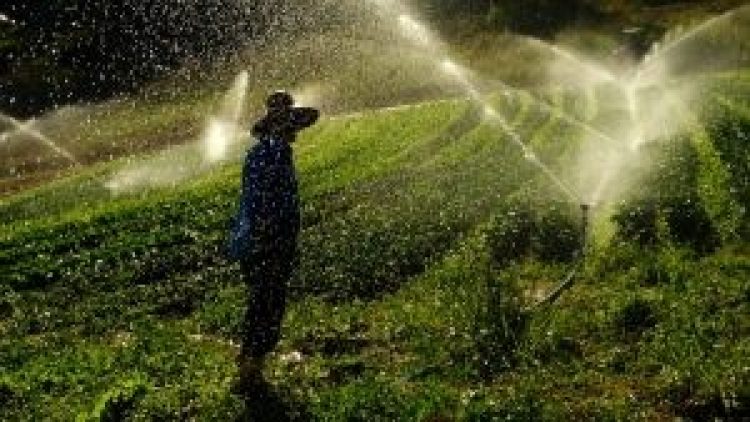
[221, 135]
[571, 65]
[562, 114]
[610, 145]
[638, 138]
[423, 37]
[644, 92]
[494, 117]
[27, 128]
[416, 31]
[225, 128]
[661, 55]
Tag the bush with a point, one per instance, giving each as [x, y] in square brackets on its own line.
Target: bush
[365, 400]
[549, 232]
[9, 398]
[689, 200]
[690, 224]
[558, 234]
[635, 317]
[638, 222]
[510, 236]
[501, 326]
[730, 132]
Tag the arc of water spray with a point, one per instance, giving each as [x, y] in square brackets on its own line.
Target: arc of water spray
[603, 74]
[647, 63]
[565, 116]
[27, 128]
[604, 181]
[223, 129]
[629, 87]
[453, 69]
[634, 110]
[600, 72]
[417, 32]
[637, 140]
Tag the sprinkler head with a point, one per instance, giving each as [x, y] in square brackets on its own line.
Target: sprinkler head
[585, 211]
[585, 208]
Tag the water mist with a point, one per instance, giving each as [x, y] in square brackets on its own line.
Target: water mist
[27, 128]
[222, 133]
[225, 128]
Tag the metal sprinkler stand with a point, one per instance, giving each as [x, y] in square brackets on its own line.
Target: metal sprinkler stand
[570, 278]
[585, 209]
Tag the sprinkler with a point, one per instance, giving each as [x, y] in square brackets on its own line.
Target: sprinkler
[585, 209]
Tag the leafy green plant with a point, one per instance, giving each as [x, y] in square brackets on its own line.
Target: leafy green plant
[117, 403]
[636, 316]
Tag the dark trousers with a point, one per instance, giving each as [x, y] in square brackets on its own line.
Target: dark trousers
[267, 278]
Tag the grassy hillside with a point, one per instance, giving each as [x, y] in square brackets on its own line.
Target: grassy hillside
[427, 239]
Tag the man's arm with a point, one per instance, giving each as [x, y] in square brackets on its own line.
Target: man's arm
[303, 117]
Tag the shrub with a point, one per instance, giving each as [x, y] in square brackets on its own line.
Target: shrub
[510, 235]
[118, 403]
[548, 232]
[635, 317]
[557, 237]
[690, 224]
[364, 400]
[637, 221]
[501, 326]
[9, 398]
[665, 266]
[684, 218]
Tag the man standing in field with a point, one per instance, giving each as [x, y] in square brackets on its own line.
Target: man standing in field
[263, 235]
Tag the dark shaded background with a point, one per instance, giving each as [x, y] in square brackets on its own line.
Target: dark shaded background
[58, 52]
[62, 51]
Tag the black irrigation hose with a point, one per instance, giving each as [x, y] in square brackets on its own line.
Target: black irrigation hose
[559, 289]
[570, 278]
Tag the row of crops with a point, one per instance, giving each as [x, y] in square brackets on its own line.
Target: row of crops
[426, 236]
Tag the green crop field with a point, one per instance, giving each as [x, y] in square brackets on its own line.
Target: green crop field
[427, 239]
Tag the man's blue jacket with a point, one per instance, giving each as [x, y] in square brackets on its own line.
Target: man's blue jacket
[268, 219]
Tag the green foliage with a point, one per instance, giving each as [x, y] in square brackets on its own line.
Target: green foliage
[692, 202]
[729, 127]
[548, 231]
[117, 403]
[501, 327]
[637, 221]
[367, 400]
[636, 316]
[423, 245]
